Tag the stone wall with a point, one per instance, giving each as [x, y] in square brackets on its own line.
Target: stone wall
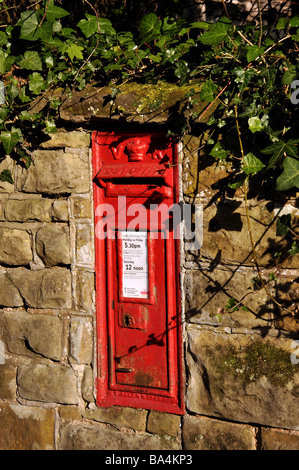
[241, 389]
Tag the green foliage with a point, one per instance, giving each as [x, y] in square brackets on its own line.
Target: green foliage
[244, 70]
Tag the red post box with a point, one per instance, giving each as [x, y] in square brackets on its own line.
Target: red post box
[139, 349]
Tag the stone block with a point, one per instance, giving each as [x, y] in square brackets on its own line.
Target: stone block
[84, 245]
[48, 383]
[53, 245]
[26, 428]
[87, 384]
[226, 234]
[46, 288]
[69, 413]
[7, 382]
[200, 172]
[9, 293]
[3, 199]
[85, 288]
[81, 340]
[32, 334]
[59, 211]
[275, 439]
[163, 423]
[81, 207]
[15, 247]
[201, 433]
[207, 294]
[97, 436]
[56, 172]
[119, 416]
[243, 378]
[75, 139]
[23, 210]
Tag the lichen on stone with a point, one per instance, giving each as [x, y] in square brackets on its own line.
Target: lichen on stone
[254, 361]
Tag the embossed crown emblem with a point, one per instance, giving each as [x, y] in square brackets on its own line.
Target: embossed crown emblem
[136, 150]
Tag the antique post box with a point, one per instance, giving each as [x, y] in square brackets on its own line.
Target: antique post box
[139, 341]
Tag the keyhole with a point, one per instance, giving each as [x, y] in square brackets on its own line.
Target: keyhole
[127, 320]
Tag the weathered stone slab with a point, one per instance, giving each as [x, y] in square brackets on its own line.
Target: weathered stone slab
[119, 416]
[32, 334]
[100, 437]
[207, 294]
[56, 172]
[53, 245]
[85, 288]
[163, 423]
[226, 234]
[154, 103]
[59, 211]
[84, 244]
[15, 247]
[48, 383]
[236, 377]
[9, 293]
[46, 288]
[23, 210]
[81, 207]
[81, 340]
[7, 382]
[208, 434]
[274, 439]
[26, 428]
[87, 384]
[74, 139]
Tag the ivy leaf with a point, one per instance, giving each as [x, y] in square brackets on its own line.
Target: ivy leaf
[106, 27]
[243, 77]
[217, 33]
[150, 27]
[5, 62]
[255, 124]
[89, 26]
[294, 22]
[74, 51]
[282, 23]
[36, 83]
[278, 149]
[253, 52]
[53, 12]
[294, 249]
[218, 152]
[289, 75]
[10, 139]
[289, 178]
[251, 164]
[3, 38]
[45, 31]
[31, 61]
[29, 26]
[283, 224]
[232, 305]
[6, 176]
[207, 92]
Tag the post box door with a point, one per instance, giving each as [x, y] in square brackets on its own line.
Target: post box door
[138, 314]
